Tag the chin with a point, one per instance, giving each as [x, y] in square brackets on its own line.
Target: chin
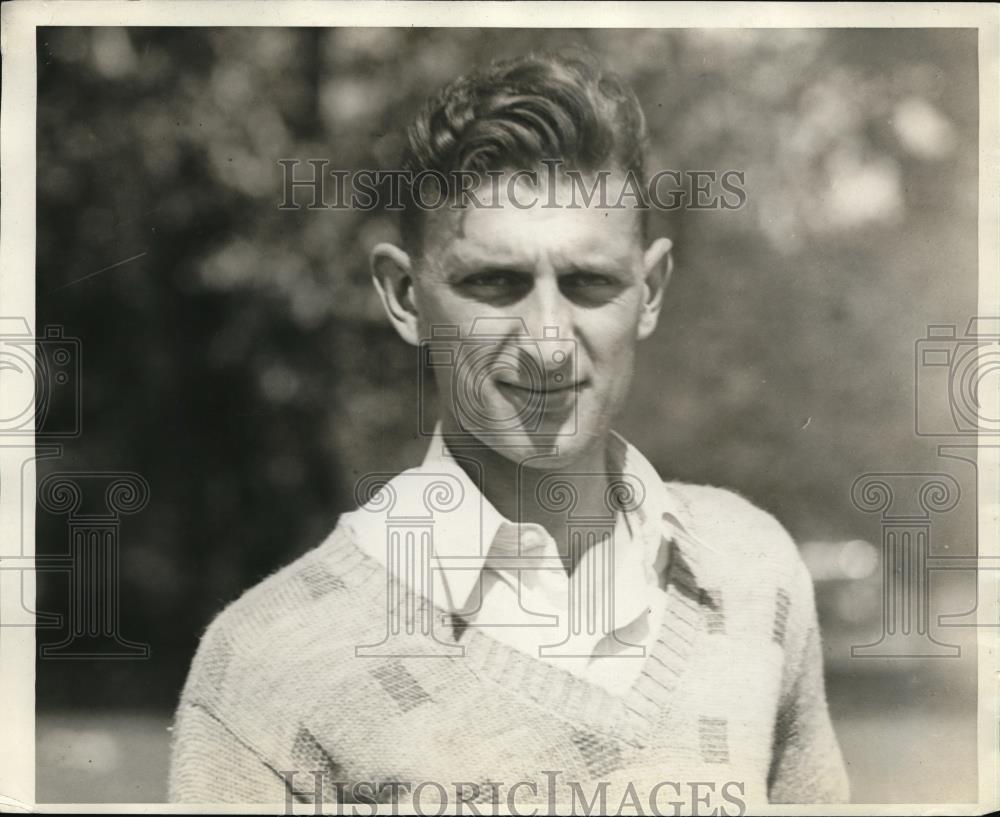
[542, 449]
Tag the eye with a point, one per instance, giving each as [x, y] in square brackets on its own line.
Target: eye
[495, 279]
[590, 287]
[583, 279]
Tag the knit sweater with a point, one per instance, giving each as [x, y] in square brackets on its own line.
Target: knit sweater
[730, 698]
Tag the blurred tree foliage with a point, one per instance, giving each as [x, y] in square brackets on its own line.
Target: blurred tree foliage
[240, 361]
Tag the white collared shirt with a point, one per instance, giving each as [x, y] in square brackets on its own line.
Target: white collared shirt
[597, 623]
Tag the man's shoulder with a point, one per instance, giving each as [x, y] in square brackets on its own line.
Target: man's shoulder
[295, 603]
[733, 532]
[296, 584]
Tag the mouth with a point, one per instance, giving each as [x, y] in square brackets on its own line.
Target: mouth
[554, 390]
[550, 400]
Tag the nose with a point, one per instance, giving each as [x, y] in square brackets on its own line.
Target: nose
[549, 320]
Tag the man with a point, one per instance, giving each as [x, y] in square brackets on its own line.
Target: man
[532, 615]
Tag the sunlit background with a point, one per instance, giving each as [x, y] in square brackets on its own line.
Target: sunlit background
[234, 355]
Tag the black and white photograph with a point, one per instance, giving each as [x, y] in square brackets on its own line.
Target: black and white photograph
[500, 408]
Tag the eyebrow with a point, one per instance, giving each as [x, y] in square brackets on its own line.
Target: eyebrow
[468, 256]
[594, 261]
[604, 265]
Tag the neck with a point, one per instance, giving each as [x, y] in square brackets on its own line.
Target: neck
[534, 485]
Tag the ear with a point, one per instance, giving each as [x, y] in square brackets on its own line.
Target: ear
[392, 274]
[657, 264]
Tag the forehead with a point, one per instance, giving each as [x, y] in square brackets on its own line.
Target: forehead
[525, 221]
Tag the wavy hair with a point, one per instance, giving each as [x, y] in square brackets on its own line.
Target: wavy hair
[518, 112]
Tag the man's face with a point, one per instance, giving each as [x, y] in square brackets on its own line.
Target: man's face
[541, 310]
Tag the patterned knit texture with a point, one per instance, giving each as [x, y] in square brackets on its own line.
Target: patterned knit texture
[297, 675]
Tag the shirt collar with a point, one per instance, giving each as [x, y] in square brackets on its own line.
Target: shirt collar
[652, 514]
[462, 544]
[465, 530]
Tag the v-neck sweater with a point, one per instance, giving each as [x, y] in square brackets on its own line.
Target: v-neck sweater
[296, 684]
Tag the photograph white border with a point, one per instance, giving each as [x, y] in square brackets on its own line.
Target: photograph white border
[17, 279]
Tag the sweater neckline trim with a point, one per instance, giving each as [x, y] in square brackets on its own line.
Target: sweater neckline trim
[628, 716]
